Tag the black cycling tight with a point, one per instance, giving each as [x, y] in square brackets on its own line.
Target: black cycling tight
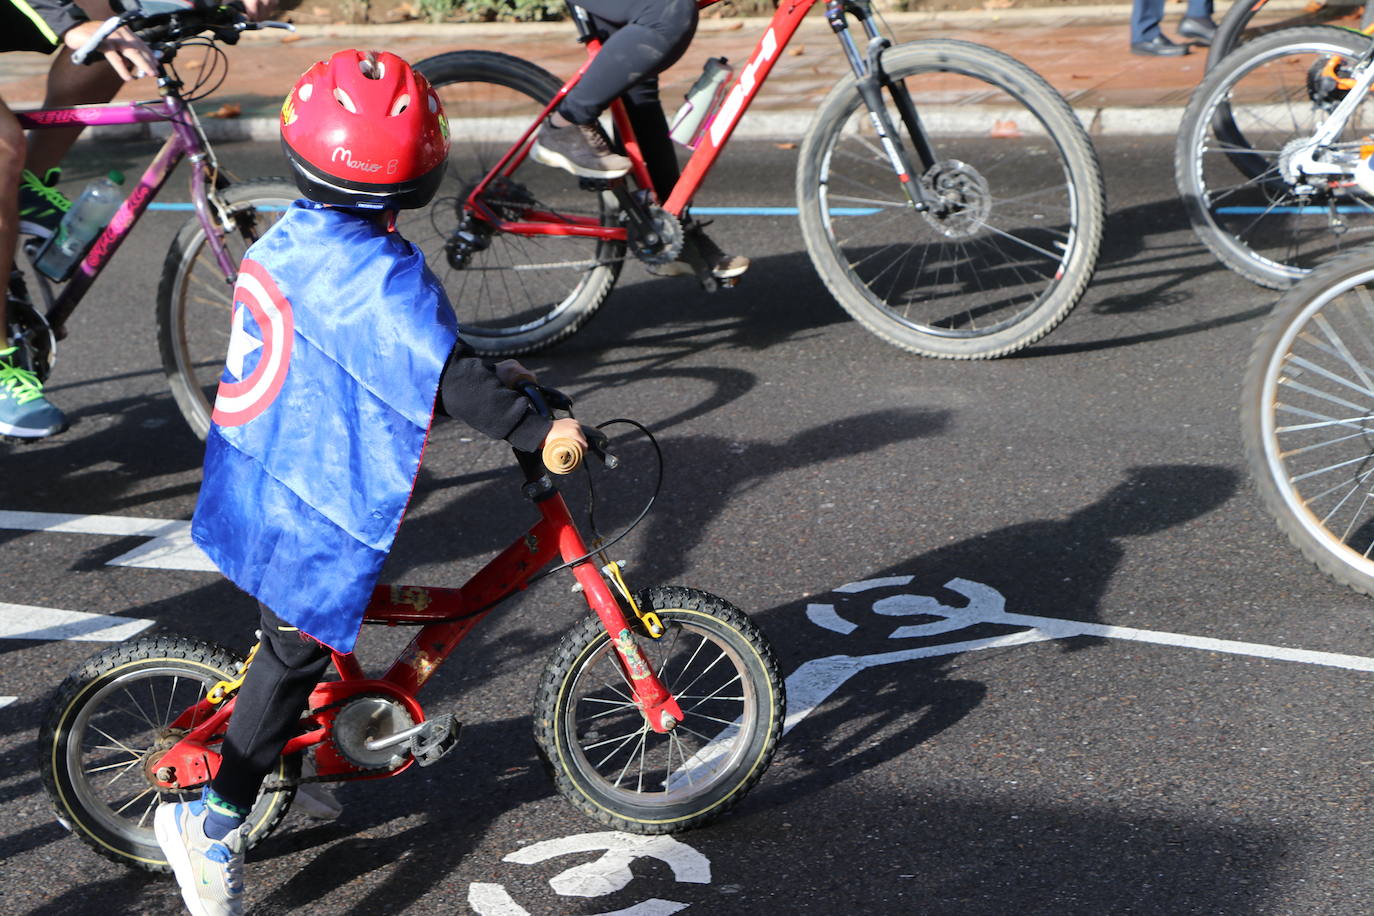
[645, 38]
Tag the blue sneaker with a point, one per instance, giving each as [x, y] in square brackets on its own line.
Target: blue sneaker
[24, 412]
[210, 872]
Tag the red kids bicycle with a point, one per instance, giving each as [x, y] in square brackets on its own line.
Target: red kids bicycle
[656, 713]
[949, 198]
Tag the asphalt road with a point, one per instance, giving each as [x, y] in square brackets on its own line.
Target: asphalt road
[1097, 477]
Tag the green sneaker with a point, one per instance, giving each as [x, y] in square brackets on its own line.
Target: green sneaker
[209, 872]
[24, 412]
[41, 205]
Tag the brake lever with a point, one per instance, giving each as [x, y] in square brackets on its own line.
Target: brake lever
[600, 444]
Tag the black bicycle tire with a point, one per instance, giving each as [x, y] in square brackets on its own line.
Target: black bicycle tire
[171, 292]
[1231, 28]
[521, 76]
[587, 793]
[1198, 124]
[1036, 95]
[1267, 364]
[199, 659]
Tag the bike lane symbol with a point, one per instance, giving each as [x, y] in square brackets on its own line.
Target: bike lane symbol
[606, 875]
[814, 681]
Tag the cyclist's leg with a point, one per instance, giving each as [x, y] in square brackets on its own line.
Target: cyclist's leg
[268, 707]
[69, 84]
[11, 156]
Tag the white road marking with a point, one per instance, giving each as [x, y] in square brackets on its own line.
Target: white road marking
[5, 701]
[22, 621]
[170, 545]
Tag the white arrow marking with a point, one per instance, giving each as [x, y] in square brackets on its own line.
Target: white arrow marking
[5, 701]
[21, 621]
[170, 545]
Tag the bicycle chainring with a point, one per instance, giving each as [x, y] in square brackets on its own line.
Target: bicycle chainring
[368, 717]
[963, 196]
[670, 238]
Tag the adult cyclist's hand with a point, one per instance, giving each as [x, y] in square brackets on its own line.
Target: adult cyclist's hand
[124, 50]
[258, 10]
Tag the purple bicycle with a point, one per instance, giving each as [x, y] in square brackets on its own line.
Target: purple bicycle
[194, 297]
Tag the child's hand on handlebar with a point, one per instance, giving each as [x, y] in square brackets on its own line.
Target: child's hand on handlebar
[511, 373]
[566, 428]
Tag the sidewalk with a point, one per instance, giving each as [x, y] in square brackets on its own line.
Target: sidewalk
[1083, 52]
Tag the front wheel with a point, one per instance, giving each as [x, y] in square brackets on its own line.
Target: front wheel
[1308, 418]
[110, 722]
[1012, 240]
[195, 303]
[613, 767]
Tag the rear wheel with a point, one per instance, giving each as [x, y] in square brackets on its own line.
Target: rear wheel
[1244, 135]
[608, 762]
[111, 719]
[512, 293]
[195, 303]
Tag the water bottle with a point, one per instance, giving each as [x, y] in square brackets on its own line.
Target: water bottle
[90, 213]
[703, 99]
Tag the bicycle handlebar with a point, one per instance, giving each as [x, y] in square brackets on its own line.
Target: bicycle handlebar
[563, 455]
[162, 22]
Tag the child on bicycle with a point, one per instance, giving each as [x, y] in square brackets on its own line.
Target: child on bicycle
[343, 345]
[645, 37]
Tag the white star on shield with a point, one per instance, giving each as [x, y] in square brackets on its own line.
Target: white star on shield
[241, 344]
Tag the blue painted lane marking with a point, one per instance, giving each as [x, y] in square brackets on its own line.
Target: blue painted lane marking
[1293, 211]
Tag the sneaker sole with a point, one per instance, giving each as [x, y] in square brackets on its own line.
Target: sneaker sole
[35, 229]
[558, 161]
[169, 839]
[20, 432]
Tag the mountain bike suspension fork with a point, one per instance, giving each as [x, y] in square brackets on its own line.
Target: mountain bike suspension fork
[872, 81]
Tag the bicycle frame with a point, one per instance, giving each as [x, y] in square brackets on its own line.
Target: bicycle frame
[783, 26]
[446, 616]
[186, 140]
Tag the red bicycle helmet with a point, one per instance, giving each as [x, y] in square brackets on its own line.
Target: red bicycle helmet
[363, 129]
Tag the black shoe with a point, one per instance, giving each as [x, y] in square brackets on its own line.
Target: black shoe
[578, 148]
[1201, 30]
[1159, 46]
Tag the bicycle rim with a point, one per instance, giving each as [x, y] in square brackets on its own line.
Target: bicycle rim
[1238, 174]
[512, 293]
[1009, 248]
[1311, 440]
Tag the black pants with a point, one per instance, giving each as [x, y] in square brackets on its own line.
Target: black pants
[268, 708]
[645, 37]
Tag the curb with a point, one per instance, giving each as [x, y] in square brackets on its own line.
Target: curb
[761, 125]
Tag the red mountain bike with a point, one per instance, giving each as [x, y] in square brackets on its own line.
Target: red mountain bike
[656, 713]
[948, 196]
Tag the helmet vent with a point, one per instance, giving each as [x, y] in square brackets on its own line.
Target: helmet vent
[372, 68]
[400, 105]
[306, 91]
[344, 100]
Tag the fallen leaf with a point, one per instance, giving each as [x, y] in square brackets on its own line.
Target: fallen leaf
[1005, 130]
[290, 37]
[785, 145]
[227, 110]
[998, 4]
[798, 51]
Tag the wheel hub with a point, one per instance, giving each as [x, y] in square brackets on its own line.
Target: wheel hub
[963, 197]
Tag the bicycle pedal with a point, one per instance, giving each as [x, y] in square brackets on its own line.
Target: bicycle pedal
[596, 184]
[435, 738]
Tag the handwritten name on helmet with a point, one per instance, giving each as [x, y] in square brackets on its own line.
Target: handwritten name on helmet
[345, 155]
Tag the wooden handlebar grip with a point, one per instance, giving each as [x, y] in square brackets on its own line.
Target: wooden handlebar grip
[562, 455]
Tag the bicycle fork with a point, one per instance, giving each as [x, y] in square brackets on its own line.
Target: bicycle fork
[872, 82]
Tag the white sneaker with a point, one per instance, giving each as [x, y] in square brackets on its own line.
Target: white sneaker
[209, 872]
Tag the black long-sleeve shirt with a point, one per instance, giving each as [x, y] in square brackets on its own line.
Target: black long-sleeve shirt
[36, 25]
[469, 391]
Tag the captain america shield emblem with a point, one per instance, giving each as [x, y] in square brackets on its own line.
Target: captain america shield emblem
[259, 348]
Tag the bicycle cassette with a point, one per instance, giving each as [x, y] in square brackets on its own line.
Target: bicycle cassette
[668, 245]
[371, 718]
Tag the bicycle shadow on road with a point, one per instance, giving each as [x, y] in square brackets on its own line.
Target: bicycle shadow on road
[1052, 568]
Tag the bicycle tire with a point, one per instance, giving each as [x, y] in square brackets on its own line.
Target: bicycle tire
[1267, 225]
[950, 292]
[195, 303]
[110, 816]
[1306, 400]
[513, 293]
[702, 631]
[1235, 29]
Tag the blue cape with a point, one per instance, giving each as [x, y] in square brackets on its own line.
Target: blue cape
[340, 335]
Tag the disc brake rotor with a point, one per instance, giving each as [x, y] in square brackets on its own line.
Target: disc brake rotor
[964, 198]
